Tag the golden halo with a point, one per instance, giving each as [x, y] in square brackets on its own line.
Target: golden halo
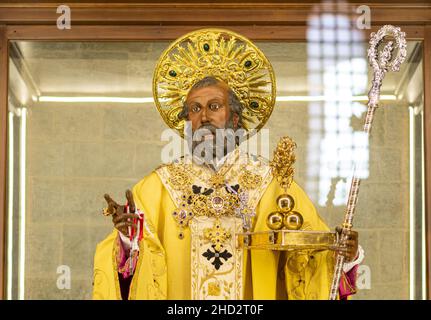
[224, 55]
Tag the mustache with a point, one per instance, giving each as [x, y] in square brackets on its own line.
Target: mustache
[208, 126]
[213, 128]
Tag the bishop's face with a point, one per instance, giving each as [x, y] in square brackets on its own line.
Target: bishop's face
[209, 106]
[208, 111]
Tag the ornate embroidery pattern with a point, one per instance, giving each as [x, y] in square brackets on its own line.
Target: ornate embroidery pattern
[217, 235]
[216, 272]
[218, 200]
[249, 180]
[178, 178]
[241, 174]
[213, 288]
[205, 199]
[209, 202]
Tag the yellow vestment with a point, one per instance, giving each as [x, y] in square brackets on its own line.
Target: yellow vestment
[164, 266]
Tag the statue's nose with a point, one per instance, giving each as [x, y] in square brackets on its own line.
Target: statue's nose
[204, 115]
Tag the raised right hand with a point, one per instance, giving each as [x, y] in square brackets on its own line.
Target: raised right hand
[122, 221]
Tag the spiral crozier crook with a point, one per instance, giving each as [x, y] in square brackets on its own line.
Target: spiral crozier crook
[381, 61]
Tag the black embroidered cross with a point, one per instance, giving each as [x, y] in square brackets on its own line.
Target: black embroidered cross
[198, 189]
[217, 262]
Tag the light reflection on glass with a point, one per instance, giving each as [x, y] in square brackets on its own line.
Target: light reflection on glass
[337, 68]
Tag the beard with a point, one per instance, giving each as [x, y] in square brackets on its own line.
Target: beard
[211, 143]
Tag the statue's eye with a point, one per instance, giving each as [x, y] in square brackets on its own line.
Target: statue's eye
[214, 106]
[196, 108]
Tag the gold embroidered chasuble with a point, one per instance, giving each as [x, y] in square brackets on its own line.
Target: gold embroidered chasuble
[180, 257]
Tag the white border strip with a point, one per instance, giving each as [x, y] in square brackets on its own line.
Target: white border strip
[22, 198]
[10, 184]
[412, 202]
[423, 240]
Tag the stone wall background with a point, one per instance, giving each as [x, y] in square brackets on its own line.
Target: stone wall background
[77, 152]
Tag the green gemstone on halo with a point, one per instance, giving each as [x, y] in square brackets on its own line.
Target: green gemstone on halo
[172, 73]
[254, 104]
[206, 46]
[247, 64]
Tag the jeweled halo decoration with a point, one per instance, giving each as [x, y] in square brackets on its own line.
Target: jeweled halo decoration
[224, 55]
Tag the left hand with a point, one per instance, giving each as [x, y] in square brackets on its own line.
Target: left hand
[348, 247]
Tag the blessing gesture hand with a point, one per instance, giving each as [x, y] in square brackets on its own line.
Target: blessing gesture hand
[121, 219]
